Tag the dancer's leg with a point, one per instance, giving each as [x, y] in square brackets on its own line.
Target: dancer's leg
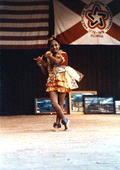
[61, 97]
[61, 101]
[57, 107]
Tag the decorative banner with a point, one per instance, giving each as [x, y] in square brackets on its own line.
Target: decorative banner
[87, 22]
[24, 24]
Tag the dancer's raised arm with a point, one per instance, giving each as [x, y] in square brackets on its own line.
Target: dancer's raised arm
[41, 63]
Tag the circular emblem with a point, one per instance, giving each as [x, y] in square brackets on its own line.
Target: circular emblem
[96, 17]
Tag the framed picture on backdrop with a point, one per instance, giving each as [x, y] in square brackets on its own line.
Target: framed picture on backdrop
[97, 104]
[44, 106]
[117, 106]
[76, 101]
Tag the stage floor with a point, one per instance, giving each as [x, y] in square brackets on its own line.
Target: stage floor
[28, 143]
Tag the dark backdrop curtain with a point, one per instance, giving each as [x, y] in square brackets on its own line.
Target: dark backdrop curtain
[22, 80]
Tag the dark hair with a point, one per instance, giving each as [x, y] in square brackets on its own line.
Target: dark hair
[50, 39]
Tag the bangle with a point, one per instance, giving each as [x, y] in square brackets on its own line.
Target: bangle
[40, 65]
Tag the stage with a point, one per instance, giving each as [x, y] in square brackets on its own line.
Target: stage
[28, 143]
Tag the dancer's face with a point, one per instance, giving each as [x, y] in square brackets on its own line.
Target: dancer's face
[54, 46]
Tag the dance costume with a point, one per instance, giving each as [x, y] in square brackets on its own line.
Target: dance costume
[61, 78]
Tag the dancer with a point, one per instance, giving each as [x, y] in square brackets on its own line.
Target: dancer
[61, 79]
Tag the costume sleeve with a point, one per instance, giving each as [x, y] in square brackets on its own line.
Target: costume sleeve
[65, 59]
[47, 54]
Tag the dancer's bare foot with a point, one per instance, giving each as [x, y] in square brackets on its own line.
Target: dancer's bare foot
[56, 127]
[66, 128]
[65, 123]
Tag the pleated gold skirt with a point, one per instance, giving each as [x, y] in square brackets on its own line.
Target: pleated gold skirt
[59, 84]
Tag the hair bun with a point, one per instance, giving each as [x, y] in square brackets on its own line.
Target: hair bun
[50, 37]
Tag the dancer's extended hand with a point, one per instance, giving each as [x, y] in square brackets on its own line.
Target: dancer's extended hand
[39, 60]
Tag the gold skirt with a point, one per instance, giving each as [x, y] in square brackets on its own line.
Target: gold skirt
[59, 84]
[64, 82]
